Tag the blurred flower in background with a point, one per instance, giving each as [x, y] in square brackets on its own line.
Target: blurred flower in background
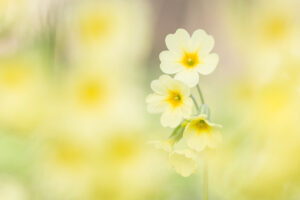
[23, 92]
[74, 76]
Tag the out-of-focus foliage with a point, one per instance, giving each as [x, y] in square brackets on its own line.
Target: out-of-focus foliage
[71, 109]
[259, 159]
[73, 80]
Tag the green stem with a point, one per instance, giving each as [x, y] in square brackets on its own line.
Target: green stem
[195, 102]
[205, 181]
[200, 94]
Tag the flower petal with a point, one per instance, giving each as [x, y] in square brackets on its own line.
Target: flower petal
[169, 62]
[197, 39]
[180, 86]
[171, 118]
[184, 162]
[194, 140]
[156, 103]
[202, 41]
[170, 67]
[160, 86]
[191, 78]
[176, 41]
[168, 56]
[214, 140]
[187, 108]
[209, 64]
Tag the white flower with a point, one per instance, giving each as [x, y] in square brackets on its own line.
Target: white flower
[201, 133]
[170, 97]
[184, 162]
[187, 56]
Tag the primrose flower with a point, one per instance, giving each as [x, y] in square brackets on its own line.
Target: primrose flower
[102, 30]
[23, 91]
[170, 97]
[184, 162]
[187, 56]
[201, 133]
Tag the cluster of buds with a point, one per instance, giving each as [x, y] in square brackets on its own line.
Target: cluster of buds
[187, 57]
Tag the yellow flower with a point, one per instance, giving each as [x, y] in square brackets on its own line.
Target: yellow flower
[275, 24]
[201, 133]
[23, 91]
[88, 97]
[90, 90]
[65, 163]
[171, 97]
[184, 162]
[107, 30]
[187, 56]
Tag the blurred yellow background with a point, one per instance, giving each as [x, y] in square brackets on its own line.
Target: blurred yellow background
[73, 80]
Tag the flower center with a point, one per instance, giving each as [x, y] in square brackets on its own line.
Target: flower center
[276, 28]
[174, 98]
[123, 149]
[202, 126]
[90, 93]
[14, 76]
[69, 155]
[95, 27]
[190, 60]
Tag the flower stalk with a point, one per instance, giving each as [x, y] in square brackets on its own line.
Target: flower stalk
[204, 109]
[200, 94]
[195, 103]
[205, 181]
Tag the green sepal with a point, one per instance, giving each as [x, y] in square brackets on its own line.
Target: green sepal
[178, 132]
[204, 109]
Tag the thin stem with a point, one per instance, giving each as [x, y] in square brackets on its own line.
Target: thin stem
[205, 181]
[200, 94]
[195, 102]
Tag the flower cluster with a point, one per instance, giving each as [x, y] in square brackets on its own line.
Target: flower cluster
[187, 57]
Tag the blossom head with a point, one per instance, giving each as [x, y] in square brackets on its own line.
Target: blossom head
[170, 97]
[201, 133]
[184, 162]
[187, 56]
